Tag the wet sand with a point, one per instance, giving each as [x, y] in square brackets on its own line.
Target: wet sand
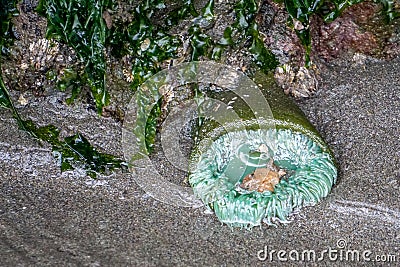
[53, 219]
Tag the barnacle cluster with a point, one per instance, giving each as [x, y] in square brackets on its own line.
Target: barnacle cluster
[297, 81]
[41, 52]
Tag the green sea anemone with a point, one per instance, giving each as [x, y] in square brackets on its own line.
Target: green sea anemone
[264, 170]
[310, 174]
[255, 157]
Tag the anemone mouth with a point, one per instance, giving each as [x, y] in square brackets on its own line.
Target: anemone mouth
[219, 170]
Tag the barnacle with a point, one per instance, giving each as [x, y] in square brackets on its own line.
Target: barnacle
[299, 82]
[41, 52]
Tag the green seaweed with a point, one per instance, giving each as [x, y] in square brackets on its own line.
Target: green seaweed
[8, 10]
[71, 80]
[151, 126]
[262, 56]
[301, 11]
[75, 151]
[339, 7]
[5, 101]
[200, 43]
[208, 11]
[182, 12]
[225, 41]
[247, 29]
[147, 42]
[242, 30]
[388, 10]
[72, 152]
[4, 97]
[151, 44]
[245, 14]
[80, 25]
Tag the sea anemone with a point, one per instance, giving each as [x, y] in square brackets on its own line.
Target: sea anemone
[309, 176]
[263, 170]
[255, 157]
